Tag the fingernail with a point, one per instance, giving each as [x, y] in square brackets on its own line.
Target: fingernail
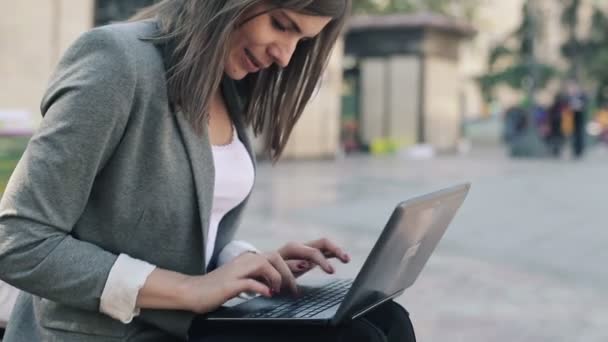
[302, 265]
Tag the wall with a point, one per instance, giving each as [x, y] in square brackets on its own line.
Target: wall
[317, 133]
[33, 35]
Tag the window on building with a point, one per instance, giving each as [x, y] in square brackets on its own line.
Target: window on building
[108, 11]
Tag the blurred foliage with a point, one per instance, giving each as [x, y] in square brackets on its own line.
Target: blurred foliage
[573, 49]
[464, 9]
[513, 62]
[117, 10]
[11, 149]
[516, 76]
[588, 56]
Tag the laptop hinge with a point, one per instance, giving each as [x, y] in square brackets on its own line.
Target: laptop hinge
[371, 307]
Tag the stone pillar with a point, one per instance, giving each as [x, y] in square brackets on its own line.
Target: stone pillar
[443, 117]
[390, 97]
[373, 99]
[404, 99]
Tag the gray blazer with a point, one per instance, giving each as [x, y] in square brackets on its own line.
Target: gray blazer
[112, 169]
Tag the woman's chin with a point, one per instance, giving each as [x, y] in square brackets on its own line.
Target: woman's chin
[236, 75]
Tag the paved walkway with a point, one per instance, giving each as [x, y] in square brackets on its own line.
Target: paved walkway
[524, 260]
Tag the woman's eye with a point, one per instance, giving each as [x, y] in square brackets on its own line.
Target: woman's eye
[277, 25]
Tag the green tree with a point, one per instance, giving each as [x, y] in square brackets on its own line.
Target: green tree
[596, 56]
[513, 62]
[587, 57]
[572, 48]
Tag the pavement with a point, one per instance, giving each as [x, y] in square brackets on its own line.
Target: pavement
[524, 259]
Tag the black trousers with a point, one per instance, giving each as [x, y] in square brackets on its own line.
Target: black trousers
[1, 334]
[389, 322]
[578, 135]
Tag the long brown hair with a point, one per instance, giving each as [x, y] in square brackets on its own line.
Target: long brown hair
[276, 97]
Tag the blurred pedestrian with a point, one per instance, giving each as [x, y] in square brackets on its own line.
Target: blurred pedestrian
[118, 222]
[555, 137]
[577, 103]
[601, 119]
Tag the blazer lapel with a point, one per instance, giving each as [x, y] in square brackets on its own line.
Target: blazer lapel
[200, 156]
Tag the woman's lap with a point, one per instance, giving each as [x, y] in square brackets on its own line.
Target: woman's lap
[394, 321]
[267, 333]
[389, 322]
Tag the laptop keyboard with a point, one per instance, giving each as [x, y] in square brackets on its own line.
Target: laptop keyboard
[311, 304]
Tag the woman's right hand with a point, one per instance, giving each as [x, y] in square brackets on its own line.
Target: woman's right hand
[264, 274]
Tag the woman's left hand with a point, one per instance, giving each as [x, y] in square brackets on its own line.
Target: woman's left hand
[303, 257]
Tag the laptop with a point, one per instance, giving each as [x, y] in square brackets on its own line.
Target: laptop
[397, 258]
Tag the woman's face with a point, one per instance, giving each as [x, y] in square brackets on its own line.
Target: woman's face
[268, 38]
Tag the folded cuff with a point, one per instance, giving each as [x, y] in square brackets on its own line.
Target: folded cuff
[233, 250]
[119, 296]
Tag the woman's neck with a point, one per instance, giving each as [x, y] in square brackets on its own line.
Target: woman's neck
[220, 123]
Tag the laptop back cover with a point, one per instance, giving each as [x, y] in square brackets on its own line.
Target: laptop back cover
[404, 247]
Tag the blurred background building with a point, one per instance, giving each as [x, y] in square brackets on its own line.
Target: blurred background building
[408, 71]
[34, 34]
[403, 78]
[409, 77]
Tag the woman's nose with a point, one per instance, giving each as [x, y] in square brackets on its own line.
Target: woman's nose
[282, 53]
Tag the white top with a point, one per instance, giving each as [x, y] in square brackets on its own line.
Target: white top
[234, 176]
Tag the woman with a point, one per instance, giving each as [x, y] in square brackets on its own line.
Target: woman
[555, 138]
[118, 221]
